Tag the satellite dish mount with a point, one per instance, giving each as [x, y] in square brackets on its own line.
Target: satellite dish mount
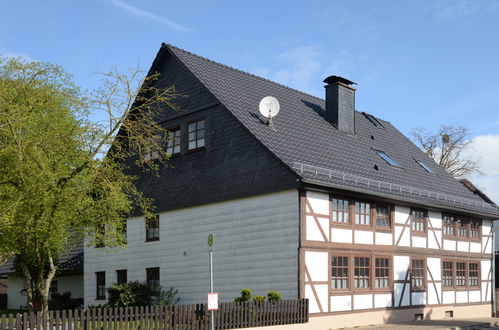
[269, 108]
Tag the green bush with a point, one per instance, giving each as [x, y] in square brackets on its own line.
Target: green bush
[138, 294]
[168, 297]
[245, 295]
[274, 295]
[258, 298]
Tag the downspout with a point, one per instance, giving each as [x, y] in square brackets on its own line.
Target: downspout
[493, 289]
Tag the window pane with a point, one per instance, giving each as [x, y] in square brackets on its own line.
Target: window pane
[418, 276]
[361, 272]
[447, 273]
[382, 273]
[339, 272]
[387, 158]
[382, 216]
[340, 210]
[460, 274]
[191, 127]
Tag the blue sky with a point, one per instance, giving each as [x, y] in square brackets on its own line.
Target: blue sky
[417, 63]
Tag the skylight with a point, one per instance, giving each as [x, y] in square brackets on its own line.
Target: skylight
[387, 158]
[374, 120]
[423, 165]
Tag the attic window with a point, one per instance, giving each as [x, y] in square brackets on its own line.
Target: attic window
[374, 120]
[195, 132]
[423, 165]
[387, 158]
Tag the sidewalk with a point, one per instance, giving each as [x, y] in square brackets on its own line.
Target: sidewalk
[454, 324]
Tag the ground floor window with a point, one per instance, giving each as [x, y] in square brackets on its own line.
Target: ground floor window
[100, 279]
[152, 280]
[339, 272]
[418, 274]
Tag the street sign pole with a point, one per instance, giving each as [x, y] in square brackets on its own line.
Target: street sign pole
[212, 314]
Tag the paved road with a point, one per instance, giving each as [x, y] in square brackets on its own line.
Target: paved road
[454, 324]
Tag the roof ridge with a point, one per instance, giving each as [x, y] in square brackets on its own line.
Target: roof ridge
[244, 72]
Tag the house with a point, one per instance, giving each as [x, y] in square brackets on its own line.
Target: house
[69, 278]
[329, 204]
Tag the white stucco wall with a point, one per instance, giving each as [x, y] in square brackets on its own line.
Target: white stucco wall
[71, 283]
[256, 247]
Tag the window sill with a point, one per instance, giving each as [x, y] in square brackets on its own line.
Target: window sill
[100, 298]
[195, 150]
[384, 229]
[419, 233]
[151, 240]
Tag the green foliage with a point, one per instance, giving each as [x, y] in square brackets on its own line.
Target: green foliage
[129, 294]
[62, 175]
[64, 301]
[138, 294]
[274, 295]
[245, 295]
[259, 298]
[167, 297]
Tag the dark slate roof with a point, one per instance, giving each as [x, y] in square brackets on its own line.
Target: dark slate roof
[70, 261]
[322, 155]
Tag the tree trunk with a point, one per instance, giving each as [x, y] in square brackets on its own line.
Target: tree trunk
[29, 286]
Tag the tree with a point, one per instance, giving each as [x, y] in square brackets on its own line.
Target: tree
[62, 175]
[448, 147]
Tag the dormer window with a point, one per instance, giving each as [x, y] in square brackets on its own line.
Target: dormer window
[387, 158]
[195, 131]
[173, 142]
[423, 165]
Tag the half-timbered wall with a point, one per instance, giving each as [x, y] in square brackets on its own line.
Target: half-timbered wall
[401, 243]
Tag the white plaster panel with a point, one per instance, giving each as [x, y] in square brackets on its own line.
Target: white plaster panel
[14, 298]
[449, 297]
[341, 303]
[486, 227]
[434, 293]
[461, 297]
[449, 245]
[362, 301]
[474, 296]
[405, 240]
[475, 247]
[323, 294]
[401, 214]
[340, 235]
[313, 231]
[253, 237]
[434, 266]
[317, 265]
[398, 289]
[363, 237]
[486, 292]
[463, 246]
[313, 306]
[382, 300]
[434, 239]
[384, 238]
[418, 241]
[487, 245]
[435, 219]
[418, 298]
[485, 270]
[400, 267]
[319, 202]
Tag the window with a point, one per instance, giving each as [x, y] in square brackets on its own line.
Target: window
[152, 228]
[382, 273]
[473, 274]
[150, 154]
[173, 142]
[195, 132]
[447, 274]
[361, 273]
[362, 213]
[462, 228]
[153, 281]
[387, 158]
[374, 120]
[121, 276]
[339, 273]
[382, 216]
[100, 279]
[475, 229]
[340, 210]
[418, 220]
[449, 226]
[460, 274]
[418, 274]
[423, 165]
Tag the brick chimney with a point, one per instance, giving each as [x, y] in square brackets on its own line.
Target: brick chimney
[340, 103]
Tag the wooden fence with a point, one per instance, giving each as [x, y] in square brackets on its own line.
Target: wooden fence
[188, 317]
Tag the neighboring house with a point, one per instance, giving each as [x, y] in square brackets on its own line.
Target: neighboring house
[69, 278]
[332, 205]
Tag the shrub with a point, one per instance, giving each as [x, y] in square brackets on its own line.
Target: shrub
[245, 295]
[168, 297]
[259, 298]
[64, 301]
[129, 294]
[274, 295]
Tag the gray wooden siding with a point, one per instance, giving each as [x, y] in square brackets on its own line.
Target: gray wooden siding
[256, 244]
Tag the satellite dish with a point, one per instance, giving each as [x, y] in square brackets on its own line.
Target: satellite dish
[269, 108]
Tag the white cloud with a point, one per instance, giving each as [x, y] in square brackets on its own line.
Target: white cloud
[147, 15]
[486, 152]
